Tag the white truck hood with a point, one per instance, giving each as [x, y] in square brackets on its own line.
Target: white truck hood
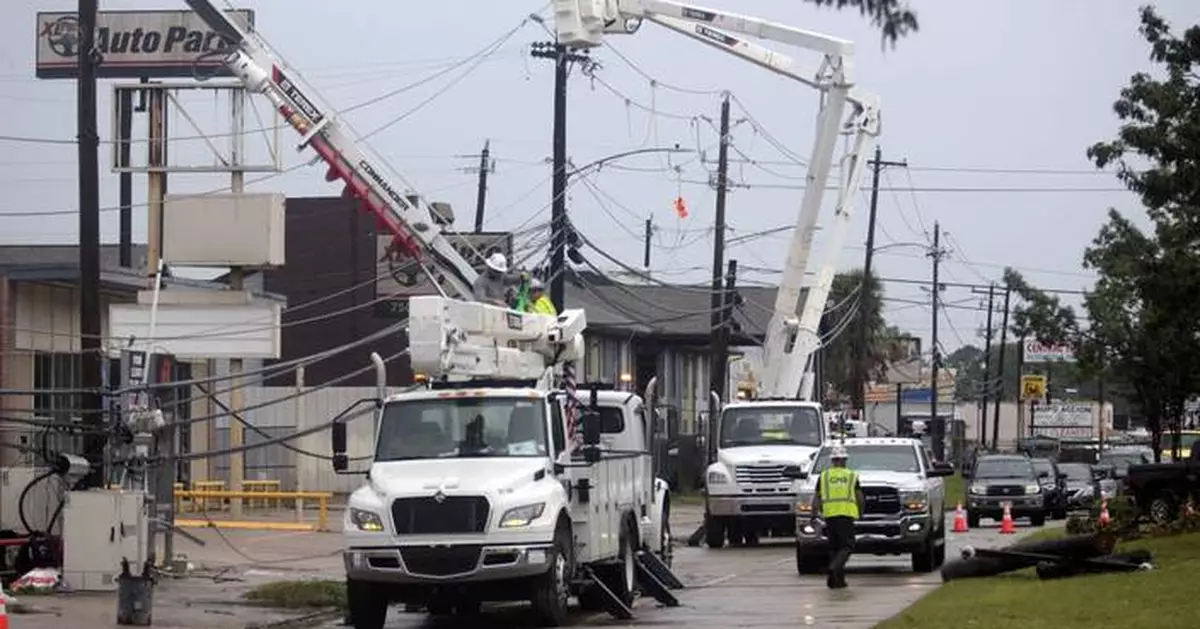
[490, 475]
[767, 455]
[902, 481]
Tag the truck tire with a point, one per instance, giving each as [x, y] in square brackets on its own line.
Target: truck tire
[624, 575]
[714, 532]
[367, 604]
[1162, 508]
[666, 549]
[925, 559]
[972, 520]
[552, 590]
[810, 563]
[1038, 520]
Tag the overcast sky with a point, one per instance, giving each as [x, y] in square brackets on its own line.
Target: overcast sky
[992, 104]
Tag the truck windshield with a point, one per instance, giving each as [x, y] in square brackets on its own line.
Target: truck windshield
[899, 458]
[466, 427]
[1004, 468]
[1076, 471]
[777, 425]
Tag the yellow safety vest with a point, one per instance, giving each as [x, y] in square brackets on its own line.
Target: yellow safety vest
[838, 498]
[543, 305]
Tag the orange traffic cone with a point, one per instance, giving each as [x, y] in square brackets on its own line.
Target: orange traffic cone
[3, 609]
[960, 520]
[1006, 523]
[1104, 519]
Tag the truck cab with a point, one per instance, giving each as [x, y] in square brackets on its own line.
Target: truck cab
[746, 493]
[479, 494]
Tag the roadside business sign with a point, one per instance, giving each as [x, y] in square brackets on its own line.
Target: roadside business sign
[1064, 420]
[1035, 352]
[1033, 387]
[134, 44]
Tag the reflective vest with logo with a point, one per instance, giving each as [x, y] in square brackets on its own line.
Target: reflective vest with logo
[838, 498]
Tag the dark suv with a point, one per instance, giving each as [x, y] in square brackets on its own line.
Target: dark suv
[1054, 486]
[1005, 478]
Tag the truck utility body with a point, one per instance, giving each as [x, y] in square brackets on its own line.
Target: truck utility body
[904, 496]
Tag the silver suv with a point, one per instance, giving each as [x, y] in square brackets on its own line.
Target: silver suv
[905, 501]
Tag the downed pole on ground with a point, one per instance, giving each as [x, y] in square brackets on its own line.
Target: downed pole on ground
[1053, 559]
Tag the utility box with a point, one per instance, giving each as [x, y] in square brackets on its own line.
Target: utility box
[221, 230]
[100, 527]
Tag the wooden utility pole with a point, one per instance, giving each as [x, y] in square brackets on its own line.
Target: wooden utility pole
[562, 57]
[1000, 371]
[485, 165]
[937, 428]
[646, 246]
[985, 389]
[862, 348]
[719, 359]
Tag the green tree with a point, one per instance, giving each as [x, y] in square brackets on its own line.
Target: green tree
[846, 299]
[1142, 325]
[894, 18]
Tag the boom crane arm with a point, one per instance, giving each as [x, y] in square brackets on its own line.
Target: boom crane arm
[790, 341]
[413, 225]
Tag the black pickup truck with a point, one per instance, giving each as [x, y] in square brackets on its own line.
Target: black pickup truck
[1160, 490]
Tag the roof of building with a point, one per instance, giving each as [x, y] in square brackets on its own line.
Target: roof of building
[60, 263]
[675, 311]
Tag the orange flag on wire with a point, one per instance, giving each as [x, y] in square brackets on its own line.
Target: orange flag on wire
[681, 207]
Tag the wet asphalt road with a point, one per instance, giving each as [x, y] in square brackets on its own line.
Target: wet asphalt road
[758, 587]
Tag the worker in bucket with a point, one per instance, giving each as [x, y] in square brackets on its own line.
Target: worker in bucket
[839, 501]
[492, 285]
[539, 302]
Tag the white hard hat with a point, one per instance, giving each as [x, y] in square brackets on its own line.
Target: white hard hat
[535, 284]
[498, 263]
[838, 452]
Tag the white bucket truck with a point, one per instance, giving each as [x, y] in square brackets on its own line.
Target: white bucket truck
[479, 492]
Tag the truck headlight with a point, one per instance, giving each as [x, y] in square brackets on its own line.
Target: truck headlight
[1033, 489]
[804, 504]
[717, 477]
[522, 516]
[977, 489]
[366, 520]
[915, 501]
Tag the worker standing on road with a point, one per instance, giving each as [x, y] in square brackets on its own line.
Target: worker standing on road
[539, 302]
[839, 501]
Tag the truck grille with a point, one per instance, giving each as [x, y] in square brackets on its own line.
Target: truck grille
[453, 514]
[759, 474]
[440, 561]
[1006, 490]
[881, 500]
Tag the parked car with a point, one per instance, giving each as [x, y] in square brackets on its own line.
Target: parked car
[1080, 483]
[1054, 486]
[1160, 489]
[1005, 478]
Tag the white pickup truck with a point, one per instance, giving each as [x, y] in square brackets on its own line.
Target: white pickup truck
[905, 504]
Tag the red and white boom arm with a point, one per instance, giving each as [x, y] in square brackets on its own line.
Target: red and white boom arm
[415, 231]
[790, 341]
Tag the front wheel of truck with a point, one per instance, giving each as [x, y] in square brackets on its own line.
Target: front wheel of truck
[367, 603]
[552, 590]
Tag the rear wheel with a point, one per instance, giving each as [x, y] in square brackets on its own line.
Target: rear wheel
[1162, 508]
[973, 520]
[1039, 519]
[925, 559]
[666, 549]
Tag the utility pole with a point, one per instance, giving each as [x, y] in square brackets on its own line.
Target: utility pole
[562, 57]
[862, 347]
[485, 165]
[646, 246]
[237, 435]
[987, 367]
[1000, 370]
[719, 359]
[719, 371]
[125, 190]
[936, 427]
[89, 247]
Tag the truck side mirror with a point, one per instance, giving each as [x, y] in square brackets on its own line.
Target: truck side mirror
[941, 470]
[1043, 474]
[590, 422]
[794, 472]
[338, 446]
